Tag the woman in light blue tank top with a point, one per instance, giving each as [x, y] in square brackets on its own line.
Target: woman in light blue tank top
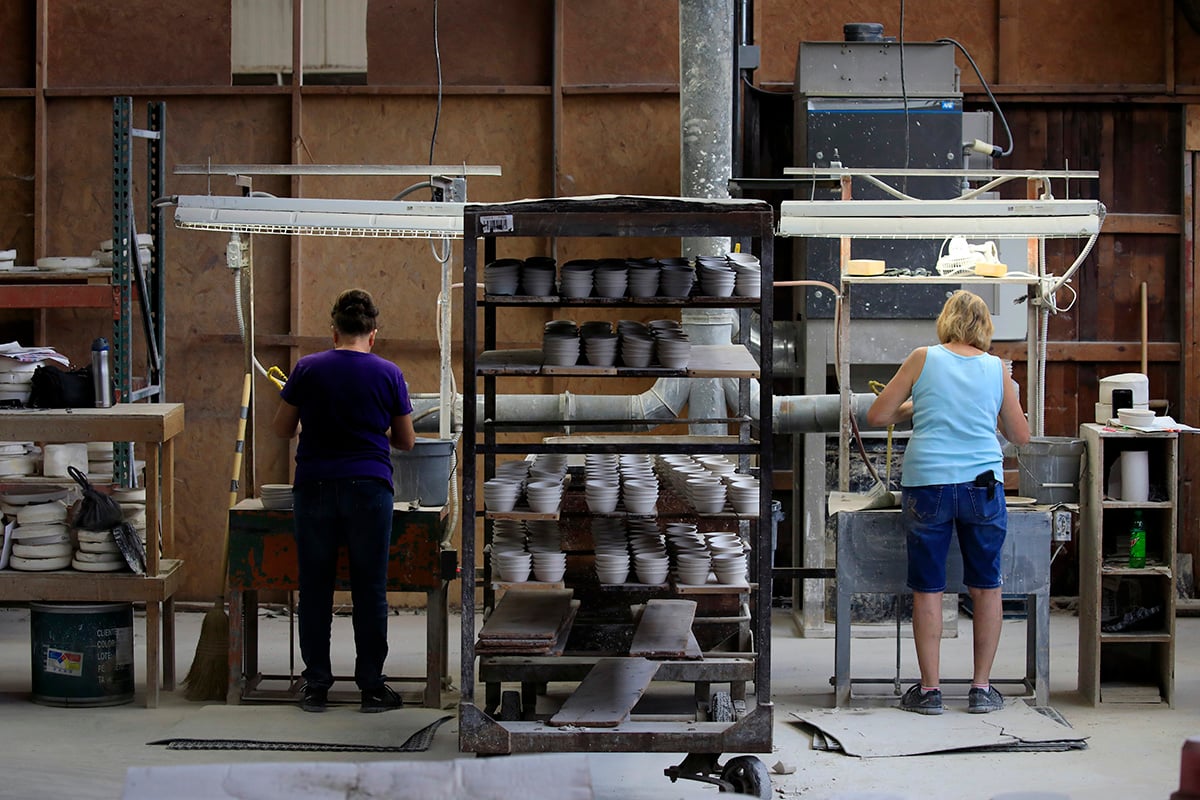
[957, 396]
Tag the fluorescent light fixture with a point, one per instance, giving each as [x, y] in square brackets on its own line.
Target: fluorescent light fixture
[320, 217]
[900, 219]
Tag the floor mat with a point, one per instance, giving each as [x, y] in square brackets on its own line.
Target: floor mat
[880, 732]
[341, 730]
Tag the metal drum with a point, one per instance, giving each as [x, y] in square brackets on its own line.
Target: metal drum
[82, 653]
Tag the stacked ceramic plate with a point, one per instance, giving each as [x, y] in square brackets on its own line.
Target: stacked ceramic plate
[643, 278]
[100, 462]
[277, 496]
[610, 279]
[97, 551]
[133, 508]
[502, 276]
[41, 536]
[15, 380]
[18, 458]
[575, 279]
[537, 276]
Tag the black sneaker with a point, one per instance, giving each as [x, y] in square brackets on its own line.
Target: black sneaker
[314, 699]
[983, 701]
[920, 702]
[382, 699]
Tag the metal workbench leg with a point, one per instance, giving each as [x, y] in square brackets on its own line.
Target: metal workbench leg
[1037, 648]
[841, 647]
[435, 645]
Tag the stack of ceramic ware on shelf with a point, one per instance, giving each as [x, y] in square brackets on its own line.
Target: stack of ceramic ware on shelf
[643, 277]
[651, 562]
[748, 281]
[691, 558]
[500, 493]
[599, 343]
[511, 562]
[611, 550]
[560, 343]
[637, 344]
[672, 349]
[17, 459]
[706, 494]
[8, 260]
[743, 491]
[601, 482]
[639, 484]
[728, 557]
[133, 509]
[545, 547]
[502, 276]
[717, 278]
[40, 537]
[56, 458]
[67, 263]
[104, 254]
[537, 276]
[544, 488]
[676, 278]
[610, 279]
[575, 279]
[16, 380]
[100, 462]
[276, 496]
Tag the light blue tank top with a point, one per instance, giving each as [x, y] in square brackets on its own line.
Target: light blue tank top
[956, 402]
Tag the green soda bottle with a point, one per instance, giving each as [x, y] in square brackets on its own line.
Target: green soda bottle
[1137, 542]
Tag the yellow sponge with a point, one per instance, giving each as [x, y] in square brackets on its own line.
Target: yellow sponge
[991, 269]
[865, 266]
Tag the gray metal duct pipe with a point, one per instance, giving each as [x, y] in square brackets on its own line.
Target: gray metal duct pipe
[661, 403]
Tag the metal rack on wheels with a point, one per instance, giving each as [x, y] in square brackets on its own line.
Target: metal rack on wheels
[729, 639]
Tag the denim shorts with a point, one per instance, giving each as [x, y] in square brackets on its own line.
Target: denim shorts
[932, 513]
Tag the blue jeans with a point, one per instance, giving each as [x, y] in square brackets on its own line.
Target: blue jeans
[931, 514]
[356, 514]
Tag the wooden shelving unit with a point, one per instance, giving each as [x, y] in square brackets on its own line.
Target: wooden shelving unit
[1127, 615]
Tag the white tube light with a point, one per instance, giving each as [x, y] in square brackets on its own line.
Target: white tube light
[320, 217]
[899, 219]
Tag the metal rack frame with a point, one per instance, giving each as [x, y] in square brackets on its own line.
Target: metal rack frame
[617, 217]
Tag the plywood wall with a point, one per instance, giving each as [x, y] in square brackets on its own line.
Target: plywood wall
[567, 97]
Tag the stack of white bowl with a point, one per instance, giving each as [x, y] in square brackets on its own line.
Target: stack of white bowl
[743, 493]
[501, 492]
[676, 280]
[511, 566]
[41, 537]
[276, 496]
[575, 279]
[508, 535]
[637, 344]
[690, 553]
[706, 494]
[502, 276]
[611, 549]
[602, 483]
[748, 271]
[545, 546]
[728, 557]
[718, 465]
[610, 279]
[544, 496]
[560, 343]
[643, 278]
[548, 466]
[639, 484]
[717, 278]
[650, 561]
[537, 276]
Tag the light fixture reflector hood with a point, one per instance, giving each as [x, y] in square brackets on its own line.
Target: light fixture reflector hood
[320, 217]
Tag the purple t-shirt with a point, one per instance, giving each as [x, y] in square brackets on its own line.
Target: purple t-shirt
[347, 400]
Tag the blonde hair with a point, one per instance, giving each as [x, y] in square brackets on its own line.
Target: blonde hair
[965, 318]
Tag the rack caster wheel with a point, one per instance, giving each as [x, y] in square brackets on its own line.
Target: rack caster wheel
[747, 775]
[720, 707]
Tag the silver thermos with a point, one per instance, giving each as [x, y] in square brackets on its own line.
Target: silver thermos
[101, 378]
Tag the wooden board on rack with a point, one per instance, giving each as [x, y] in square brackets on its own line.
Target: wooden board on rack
[539, 646]
[721, 361]
[664, 629]
[712, 587]
[606, 696]
[509, 362]
[577, 369]
[526, 615]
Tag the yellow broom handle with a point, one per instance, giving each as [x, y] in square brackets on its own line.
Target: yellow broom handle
[240, 447]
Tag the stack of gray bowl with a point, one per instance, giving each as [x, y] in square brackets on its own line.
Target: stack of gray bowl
[502, 276]
[643, 278]
[599, 343]
[575, 279]
[560, 343]
[537, 276]
[610, 279]
[637, 344]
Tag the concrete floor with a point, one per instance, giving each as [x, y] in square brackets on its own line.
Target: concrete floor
[1133, 752]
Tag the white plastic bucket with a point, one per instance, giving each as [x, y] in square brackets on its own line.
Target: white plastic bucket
[422, 475]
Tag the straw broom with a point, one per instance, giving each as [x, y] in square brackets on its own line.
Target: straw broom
[208, 677]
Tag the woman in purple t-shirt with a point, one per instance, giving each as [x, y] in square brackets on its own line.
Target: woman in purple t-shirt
[349, 405]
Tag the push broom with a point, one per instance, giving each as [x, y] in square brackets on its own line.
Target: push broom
[208, 677]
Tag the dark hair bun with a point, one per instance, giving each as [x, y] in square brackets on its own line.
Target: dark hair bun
[354, 312]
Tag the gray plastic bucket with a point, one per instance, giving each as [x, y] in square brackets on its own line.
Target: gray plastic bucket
[422, 475]
[1050, 467]
[82, 653]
